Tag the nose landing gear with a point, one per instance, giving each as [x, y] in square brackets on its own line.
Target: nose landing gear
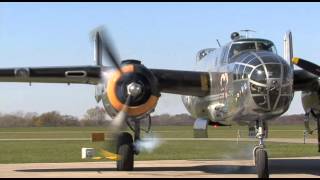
[260, 155]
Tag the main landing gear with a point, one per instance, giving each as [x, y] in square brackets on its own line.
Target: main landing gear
[260, 154]
[126, 148]
[313, 114]
[125, 151]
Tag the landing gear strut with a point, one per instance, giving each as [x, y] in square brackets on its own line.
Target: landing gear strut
[312, 113]
[317, 116]
[318, 129]
[260, 154]
[126, 148]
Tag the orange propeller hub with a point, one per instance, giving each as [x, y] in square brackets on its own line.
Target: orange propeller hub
[131, 73]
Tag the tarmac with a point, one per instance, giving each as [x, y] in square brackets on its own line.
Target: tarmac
[306, 167]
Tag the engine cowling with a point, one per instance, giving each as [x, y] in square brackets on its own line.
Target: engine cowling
[116, 90]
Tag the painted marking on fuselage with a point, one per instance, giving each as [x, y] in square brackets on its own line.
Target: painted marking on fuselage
[224, 83]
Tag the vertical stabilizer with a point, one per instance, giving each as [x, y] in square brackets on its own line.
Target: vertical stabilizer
[97, 49]
[288, 48]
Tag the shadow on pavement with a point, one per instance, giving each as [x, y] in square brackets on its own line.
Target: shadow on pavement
[276, 166]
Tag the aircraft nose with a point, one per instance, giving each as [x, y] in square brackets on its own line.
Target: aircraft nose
[270, 81]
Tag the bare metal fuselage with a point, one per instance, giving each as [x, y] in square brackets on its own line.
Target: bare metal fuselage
[252, 85]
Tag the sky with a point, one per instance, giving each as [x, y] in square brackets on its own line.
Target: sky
[161, 35]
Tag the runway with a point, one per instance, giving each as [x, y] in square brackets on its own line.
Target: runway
[279, 168]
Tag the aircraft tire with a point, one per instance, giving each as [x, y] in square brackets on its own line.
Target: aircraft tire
[261, 160]
[126, 152]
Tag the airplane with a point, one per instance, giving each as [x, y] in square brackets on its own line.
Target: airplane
[244, 81]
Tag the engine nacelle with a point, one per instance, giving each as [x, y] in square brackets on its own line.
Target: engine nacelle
[115, 93]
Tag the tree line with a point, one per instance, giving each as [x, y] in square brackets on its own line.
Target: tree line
[93, 117]
[96, 116]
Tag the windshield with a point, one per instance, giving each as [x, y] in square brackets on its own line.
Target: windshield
[238, 47]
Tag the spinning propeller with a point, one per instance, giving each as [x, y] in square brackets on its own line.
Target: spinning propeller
[104, 44]
[131, 89]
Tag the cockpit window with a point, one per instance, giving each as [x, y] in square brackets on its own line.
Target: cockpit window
[261, 45]
[239, 47]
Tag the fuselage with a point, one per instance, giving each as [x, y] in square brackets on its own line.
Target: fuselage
[249, 81]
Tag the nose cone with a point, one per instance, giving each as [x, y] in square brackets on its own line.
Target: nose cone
[270, 80]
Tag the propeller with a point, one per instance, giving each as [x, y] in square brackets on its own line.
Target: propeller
[112, 57]
[133, 90]
[129, 90]
[109, 50]
[119, 119]
[130, 85]
[307, 65]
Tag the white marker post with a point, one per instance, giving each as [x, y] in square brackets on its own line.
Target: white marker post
[238, 136]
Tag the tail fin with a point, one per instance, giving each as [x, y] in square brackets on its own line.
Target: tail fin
[97, 49]
[288, 48]
[97, 57]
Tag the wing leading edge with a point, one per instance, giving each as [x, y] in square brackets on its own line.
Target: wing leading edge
[191, 83]
[170, 81]
[63, 74]
[305, 81]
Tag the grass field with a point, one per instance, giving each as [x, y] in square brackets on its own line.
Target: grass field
[283, 131]
[13, 151]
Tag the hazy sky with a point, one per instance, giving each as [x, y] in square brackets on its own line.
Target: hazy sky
[162, 35]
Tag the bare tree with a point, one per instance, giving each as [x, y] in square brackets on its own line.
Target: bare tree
[94, 117]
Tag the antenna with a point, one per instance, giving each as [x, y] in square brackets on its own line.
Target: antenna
[218, 42]
[247, 32]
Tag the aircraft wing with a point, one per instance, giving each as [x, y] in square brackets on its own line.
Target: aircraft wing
[63, 74]
[193, 83]
[170, 81]
[305, 81]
